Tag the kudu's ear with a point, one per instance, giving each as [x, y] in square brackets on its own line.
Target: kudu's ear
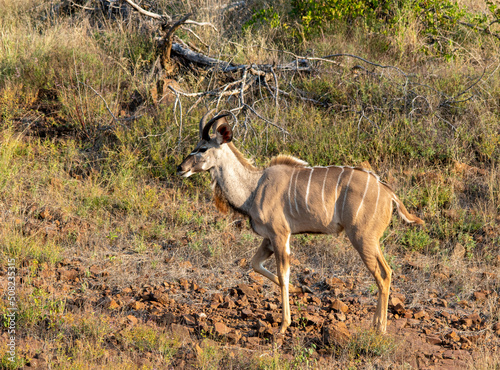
[224, 133]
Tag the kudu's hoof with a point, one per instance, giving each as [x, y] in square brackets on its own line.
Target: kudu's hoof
[306, 289]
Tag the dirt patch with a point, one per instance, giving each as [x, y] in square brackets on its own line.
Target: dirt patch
[431, 333]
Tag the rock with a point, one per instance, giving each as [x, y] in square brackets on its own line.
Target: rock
[229, 304]
[433, 339]
[467, 322]
[394, 301]
[340, 316]
[261, 326]
[315, 300]
[127, 291]
[400, 323]
[136, 305]
[339, 306]
[443, 302]
[458, 251]
[272, 306]
[166, 319]
[313, 319]
[479, 296]
[94, 270]
[243, 263]
[246, 313]
[397, 306]
[184, 283]
[67, 275]
[256, 277]
[221, 329]
[132, 320]
[188, 320]
[272, 317]
[243, 302]
[233, 337]
[201, 316]
[181, 333]
[160, 297]
[453, 336]
[217, 299]
[439, 276]
[448, 355]
[413, 323]
[245, 290]
[45, 215]
[335, 334]
[334, 282]
[496, 328]
[112, 305]
[253, 341]
[421, 315]
[186, 264]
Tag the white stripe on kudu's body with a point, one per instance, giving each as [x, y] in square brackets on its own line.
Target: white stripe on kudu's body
[323, 193]
[308, 187]
[345, 192]
[265, 196]
[295, 193]
[289, 191]
[364, 195]
[336, 193]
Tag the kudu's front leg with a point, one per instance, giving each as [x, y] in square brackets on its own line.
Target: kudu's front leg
[263, 253]
[279, 246]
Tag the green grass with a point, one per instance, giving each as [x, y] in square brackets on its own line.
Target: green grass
[371, 344]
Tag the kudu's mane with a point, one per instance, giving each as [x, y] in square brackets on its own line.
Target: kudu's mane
[247, 163]
[287, 160]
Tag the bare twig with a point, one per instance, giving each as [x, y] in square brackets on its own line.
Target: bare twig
[165, 17]
[195, 35]
[276, 103]
[266, 120]
[177, 99]
[225, 8]
[477, 28]
[82, 7]
[189, 21]
[105, 103]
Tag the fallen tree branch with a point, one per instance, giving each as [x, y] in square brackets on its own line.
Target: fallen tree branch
[168, 40]
[300, 65]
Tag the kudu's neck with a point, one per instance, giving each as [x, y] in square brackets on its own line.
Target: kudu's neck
[237, 178]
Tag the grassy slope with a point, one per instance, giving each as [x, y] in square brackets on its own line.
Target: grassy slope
[70, 189]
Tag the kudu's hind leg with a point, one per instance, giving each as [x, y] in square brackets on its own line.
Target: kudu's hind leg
[263, 253]
[282, 254]
[372, 256]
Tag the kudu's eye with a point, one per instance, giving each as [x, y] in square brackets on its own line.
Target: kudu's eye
[202, 150]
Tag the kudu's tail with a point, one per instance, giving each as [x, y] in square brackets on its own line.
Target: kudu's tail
[405, 215]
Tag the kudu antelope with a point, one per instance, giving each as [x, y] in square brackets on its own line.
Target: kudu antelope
[289, 197]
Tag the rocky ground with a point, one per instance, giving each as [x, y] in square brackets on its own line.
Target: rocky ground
[433, 333]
